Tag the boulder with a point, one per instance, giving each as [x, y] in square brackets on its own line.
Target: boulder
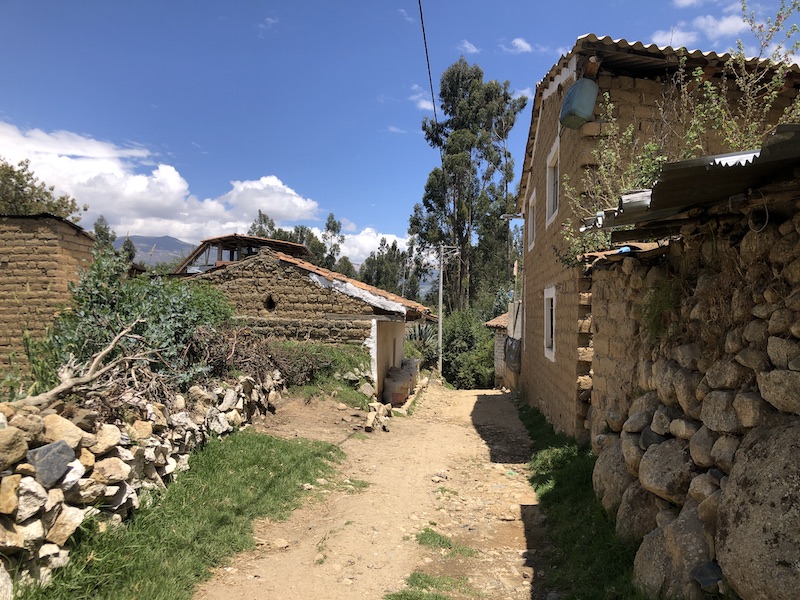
[756, 245]
[780, 322]
[67, 522]
[107, 437]
[86, 491]
[636, 516]
[666, 470]
[751, 408]
[758, 519]
[664, 374]
[700, 446]
[8, 493]
[718, 414]
[58, 428]
[228, 400]
[51, 461]
[31, 424]
[782, 351]
[85, 418]
[684, 428]
[13, 446]
[6, 584]
[753, 358]
[727, 374]
[668, 555]
[140, 430]
[217, 422]
[685, 384]
[110, 470]
[610, 477]
[756, 332]
[723, 451]
[779, 388]
[687, 355]
[32, 498]
[631, 451]
[11, 541]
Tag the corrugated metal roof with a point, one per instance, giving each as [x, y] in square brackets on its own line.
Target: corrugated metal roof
[710, 180]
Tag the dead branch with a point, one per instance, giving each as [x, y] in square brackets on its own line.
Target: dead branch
[95, 370]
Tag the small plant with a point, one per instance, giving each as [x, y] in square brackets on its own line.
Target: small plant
[423, 342]
[431, 539]
[661, 304]
[423, 586]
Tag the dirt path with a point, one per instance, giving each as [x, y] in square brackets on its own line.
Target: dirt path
[456, 466]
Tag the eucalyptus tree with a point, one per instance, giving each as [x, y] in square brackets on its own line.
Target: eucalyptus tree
[471, 185]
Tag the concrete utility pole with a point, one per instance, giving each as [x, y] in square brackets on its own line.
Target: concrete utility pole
[451, 252]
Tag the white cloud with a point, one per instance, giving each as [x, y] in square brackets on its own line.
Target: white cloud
[468, 48]
[686, 3]
[405, 15]
[420, 98]
[347, 224]
[148, 200]
[714, 28]
[267, 24]
[527, 92]
[393, 129]
[518, 46]
[675, 37]
[358, 245]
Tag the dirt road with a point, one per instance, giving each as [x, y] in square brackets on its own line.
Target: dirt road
[457, 467]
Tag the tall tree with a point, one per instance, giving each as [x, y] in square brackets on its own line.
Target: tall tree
[332, 238]
[128, 249]
[392, 269]
[262, 226]
[21, 193]
[471, 185]
[104, 236]
[345, 267]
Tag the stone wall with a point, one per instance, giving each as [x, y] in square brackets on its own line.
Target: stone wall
[695, 407]
[61, 465]
[40, 256]
[281, 300]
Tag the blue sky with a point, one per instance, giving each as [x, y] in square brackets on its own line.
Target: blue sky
[184, 118]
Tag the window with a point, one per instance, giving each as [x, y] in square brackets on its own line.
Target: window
[531, 220]
[553, 184]
[550, 323]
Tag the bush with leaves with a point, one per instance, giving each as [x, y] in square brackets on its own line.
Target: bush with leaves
[423, 340]
[467, 351]
[164, 314]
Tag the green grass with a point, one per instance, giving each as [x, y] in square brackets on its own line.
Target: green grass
[589, 561]
[432, 539]
[199, 521]
[420, 585]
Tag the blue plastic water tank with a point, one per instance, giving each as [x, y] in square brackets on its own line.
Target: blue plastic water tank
[578, 105]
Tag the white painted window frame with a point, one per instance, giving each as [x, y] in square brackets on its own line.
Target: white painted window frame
[530, 221]
[553, 185]
[550, 323]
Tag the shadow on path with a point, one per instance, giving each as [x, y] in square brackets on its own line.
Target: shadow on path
[496, 419]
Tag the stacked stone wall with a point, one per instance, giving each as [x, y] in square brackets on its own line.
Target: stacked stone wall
[40, 256]
[62, 465]
[281, 300]
[695, 407]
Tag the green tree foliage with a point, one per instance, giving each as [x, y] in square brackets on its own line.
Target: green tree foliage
[21, 193]
[467, 351]
[105, 301]
[471, 186]
[104, 236]
[346, 268]
[391, 269]
[128, 249]
[332, 238]
[262, 226]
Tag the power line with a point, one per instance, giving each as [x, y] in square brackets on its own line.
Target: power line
[428, 61]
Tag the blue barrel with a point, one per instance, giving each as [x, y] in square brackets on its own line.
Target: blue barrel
[578, 106]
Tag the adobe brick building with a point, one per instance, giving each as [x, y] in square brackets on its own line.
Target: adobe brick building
[39, 256]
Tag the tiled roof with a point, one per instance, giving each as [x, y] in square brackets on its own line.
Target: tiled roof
[500, 322]
[409, 305]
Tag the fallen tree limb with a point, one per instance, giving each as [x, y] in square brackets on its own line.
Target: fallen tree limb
[95, 370]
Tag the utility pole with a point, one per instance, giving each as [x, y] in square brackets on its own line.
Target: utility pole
[451, 252]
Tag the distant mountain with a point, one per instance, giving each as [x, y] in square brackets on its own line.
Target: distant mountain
[151, 250]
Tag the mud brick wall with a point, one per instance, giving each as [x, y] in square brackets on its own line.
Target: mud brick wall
[281, 300]
[40, 256]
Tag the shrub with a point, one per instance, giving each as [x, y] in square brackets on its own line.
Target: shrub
[164, 314]
[467, 351]
[423, 341]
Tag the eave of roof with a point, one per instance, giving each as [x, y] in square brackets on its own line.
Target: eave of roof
[42, 216]
[500, 322]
